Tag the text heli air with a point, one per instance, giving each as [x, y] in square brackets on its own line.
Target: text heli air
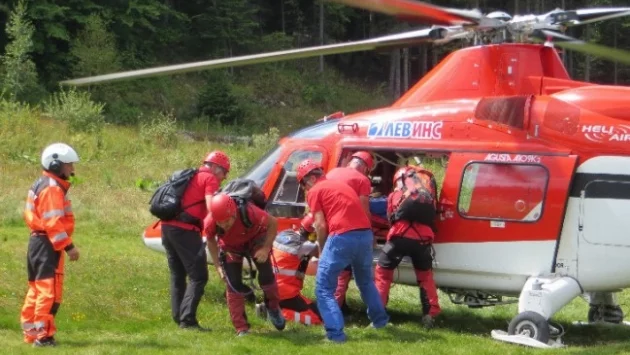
[533, 167]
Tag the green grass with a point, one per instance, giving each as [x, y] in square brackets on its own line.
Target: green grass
[116, 296]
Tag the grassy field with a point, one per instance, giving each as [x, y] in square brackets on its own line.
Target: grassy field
[116, 297]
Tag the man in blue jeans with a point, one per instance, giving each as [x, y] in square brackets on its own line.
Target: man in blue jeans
[345, 238]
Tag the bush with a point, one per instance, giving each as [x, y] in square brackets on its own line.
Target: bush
[216, 100]
[264, 142]
[160, 130]
[77, 109]
[18, 125]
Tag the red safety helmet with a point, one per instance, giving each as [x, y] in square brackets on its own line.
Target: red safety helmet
[366, 158]
[307, 223]
[222, 207]
[219, 158]
[306, 167]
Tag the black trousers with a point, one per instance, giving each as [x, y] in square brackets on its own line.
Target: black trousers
[397, 248]
[186, 255]
[233, 266]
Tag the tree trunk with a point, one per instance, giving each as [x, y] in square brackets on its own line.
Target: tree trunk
[587, 59]
[616, 69]
[282, 16]
[397, 74]
[321, 34]
[392, 73]
[423, 59]
[405, 69]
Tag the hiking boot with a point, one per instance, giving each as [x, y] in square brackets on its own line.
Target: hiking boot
[194, 327]
[345, 309]
[49, 341]
[427, 321]
[261, 310]
[276, 318]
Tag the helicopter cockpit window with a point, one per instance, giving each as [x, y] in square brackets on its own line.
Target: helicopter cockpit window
[260, 171]
[508, 192]
[288, 198]
[317, 130]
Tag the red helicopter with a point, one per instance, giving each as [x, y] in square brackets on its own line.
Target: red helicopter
[529, 161]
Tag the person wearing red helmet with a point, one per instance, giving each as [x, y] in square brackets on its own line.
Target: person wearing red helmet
[344, 238]
[292, 252]
[181, 238]
[410, 238]
[355, 174]
[229, 240]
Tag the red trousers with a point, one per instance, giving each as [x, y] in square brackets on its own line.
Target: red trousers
[237, 292]
[420, 254]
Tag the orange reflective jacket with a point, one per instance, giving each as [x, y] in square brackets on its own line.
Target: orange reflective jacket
[48, 210]
[290, 258]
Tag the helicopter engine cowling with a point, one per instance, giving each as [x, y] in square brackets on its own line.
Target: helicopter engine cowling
[611, 101]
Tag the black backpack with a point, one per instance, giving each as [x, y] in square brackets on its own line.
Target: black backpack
[166, 202]
[243, 191]
[419, 201]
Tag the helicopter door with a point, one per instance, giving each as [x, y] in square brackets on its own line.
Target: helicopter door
[287, 200]
[502, 213]
[599, 217]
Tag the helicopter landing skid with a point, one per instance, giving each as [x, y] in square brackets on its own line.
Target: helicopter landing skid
[522, 339]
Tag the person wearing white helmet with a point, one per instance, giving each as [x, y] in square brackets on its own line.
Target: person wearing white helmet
[48, 215]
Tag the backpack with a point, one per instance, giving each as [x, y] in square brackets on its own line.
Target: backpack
[419, 201]
[243, 191]
[166, 202]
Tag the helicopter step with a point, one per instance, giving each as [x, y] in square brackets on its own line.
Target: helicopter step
[540, 299]
[475, 299]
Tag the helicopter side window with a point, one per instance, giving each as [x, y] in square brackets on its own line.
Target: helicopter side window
[509, 192]
[288, 199]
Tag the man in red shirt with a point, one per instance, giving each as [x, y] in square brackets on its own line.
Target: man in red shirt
[411, 239]
[355, 174]
[345, 238]
[185, 250]
[225, 229]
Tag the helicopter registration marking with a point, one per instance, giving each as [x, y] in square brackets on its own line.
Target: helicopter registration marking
[406, 129]
[514, 158]
[497, 224]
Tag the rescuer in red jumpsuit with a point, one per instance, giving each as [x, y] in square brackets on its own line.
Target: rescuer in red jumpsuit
[236, 241]
[408, 239]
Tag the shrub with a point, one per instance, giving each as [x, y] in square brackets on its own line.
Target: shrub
[83, 116]
[161, 130]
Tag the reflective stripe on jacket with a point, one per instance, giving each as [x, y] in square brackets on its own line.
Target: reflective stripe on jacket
[49, 211]
[291, 258]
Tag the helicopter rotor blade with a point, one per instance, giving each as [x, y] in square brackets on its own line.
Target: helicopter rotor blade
[586, 16]
[418, 11]
[395, 40]
[571, 43]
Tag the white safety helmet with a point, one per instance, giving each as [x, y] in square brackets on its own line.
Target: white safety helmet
[58, 153]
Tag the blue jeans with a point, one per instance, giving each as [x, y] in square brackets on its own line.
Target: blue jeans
[351, 248]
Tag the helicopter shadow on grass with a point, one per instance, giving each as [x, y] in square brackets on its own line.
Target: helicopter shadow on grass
[355, 331]
[595, 335]
[461, 320]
